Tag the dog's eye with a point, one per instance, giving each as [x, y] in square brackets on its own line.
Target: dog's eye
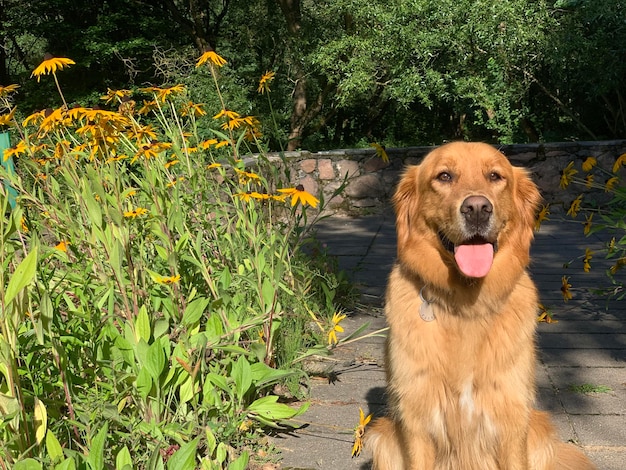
[444, 177]
[495, 176]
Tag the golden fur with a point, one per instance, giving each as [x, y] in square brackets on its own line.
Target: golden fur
[461, 387]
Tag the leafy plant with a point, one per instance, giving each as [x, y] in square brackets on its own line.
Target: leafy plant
[151, 277]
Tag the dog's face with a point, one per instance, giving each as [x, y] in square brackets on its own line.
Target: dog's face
[462, 208]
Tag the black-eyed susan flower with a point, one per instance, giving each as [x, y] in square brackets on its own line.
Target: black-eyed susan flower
[15, 150]
[227, 113]
[588, 222]
[7, 119]
[567, 175]
[575, 206]
[148, 107]
[589, 163]
[359, 432]
[246, 176]
[565, 288]
[222, 143]
[264, 83]
[211, 57]
[545, 315]
[210, 166]
[619, 264]
[621, 160]
[7, 90]
[589, 181]
[163, 94]
[191, 108]
[116, 95]
[62, 246]
[610, 183]
[542, 216]
[335, 328]
[167, 280]
[587, 260]
[51, 64]
[206, 144]
[134, 213]
[298, 194]
[381, 152]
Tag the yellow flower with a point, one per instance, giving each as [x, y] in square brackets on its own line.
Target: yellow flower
[51, 64]
[213, 165]
[264, 83]
[611, 182]
[207, 143]
[589, 163]
[575, 206]
[359, 432]
[565, 288]
[589, 181]
[587, 259]
[380, 151]
[6, 90]
[611, 246]
[167, 279]
[542, 216]
[20, 147]
[222, 144]
[116, 95]
[190, 108]
[212, 58]
[619, 264]
[23, 225]
[171, 163]
[545, 315]
[621, 160]
[299, 194]
[135, 213]
[587, 228]
[62, 246]
[246, 176]
[164, 93]
[335, 328]
[7, 119]
[225, 112]
[567, 175]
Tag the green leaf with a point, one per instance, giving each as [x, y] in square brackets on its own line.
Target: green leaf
[241, 463]
[142, 325]
[268, 293]
[95, 459]
[242, 375]
[27, 464]
[53, 447]
[67, 464]
[194, 311]
[268, 411]
[186, 390]
[185, 457]
[155, 360]
[123, 460]
[22, 276]
[144, 383]
[93, 208]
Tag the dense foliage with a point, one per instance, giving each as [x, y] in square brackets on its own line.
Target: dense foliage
[350, 71]
[154, 286]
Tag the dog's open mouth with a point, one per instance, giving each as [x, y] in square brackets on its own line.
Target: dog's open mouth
[473, 257]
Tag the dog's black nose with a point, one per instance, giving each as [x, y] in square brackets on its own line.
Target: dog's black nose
[477, 211]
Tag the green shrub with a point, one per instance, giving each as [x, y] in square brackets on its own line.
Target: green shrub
[155, 287]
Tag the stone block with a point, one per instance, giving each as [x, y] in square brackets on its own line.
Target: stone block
[365, 186]
[347, 167]
[325, 169]
[309, 165]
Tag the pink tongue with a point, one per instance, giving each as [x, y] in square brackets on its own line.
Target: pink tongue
[474, 260]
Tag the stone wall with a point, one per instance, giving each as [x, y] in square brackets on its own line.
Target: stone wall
[370, 182]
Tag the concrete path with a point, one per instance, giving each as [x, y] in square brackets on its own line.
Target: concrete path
[582, 359]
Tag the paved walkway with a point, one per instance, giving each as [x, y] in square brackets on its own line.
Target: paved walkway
[587, 347]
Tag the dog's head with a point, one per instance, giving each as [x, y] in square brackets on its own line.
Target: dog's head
[465, 209]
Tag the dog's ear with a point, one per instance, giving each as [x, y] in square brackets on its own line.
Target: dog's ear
[527, 197]
[405, 202]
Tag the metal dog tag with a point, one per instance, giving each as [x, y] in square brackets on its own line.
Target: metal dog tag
[427, 313]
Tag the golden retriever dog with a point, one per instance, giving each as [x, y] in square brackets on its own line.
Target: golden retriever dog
[462, 311]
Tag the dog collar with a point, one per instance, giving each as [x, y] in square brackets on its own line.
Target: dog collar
[427, 312]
